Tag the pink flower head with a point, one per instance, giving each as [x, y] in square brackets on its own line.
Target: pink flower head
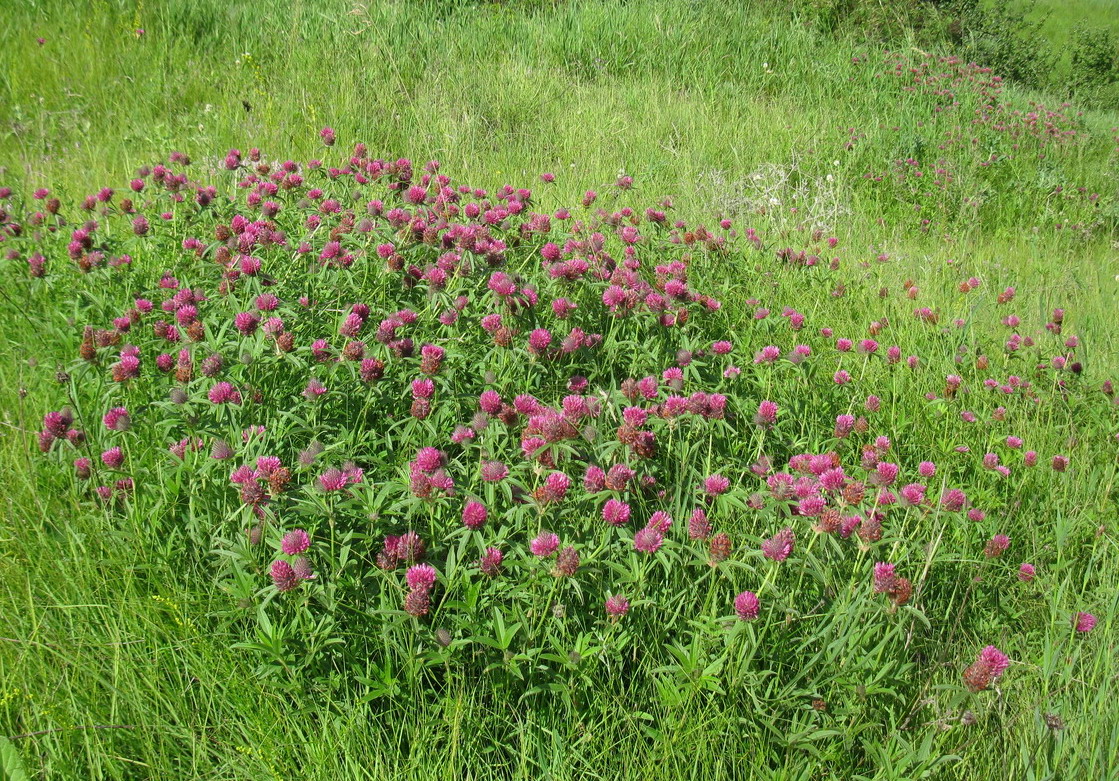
[594, 479]
[224, 393]
[490, 562]
[428, 459]
[616, 513]
[295, 542]
[699, 528]
[555, 487]
[648, 540]
[544, 545]
[113, 458]
[635, 416]
[1085, 622]
[473, 514]
[767, 414]
[246, 322]
[314, 389]
[494, 471]
[490, 402]
[885, 579]
[332, 480]
[953, 500]
[913, 494]
[779, 546]
[617, 606]
[715, 485]
[284, 577]
[996, 546]
[1026, 572]
[768, 354]
[539, 340]
[660, 521]
[746, 605]
[885, 473]
[833, 479]
[420, 577]
[987, 668]
[117, 419]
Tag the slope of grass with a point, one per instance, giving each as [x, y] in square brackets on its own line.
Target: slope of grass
[116, 656]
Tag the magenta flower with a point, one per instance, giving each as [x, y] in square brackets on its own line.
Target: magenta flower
[284, 577]
[295, 542]
[779, 546]
[767, 414]
[953, 500]
[429, 459]
[544, 545]
[616, 606]
[618, 476]
[490, 402]
[332, 480]
[1026, 572]
[1084, 622]
[490, 562]
[996, 546]
[987, 668]
[926, 469]
[117, 419]
[314, 389]
[885, 578]
[555, 486]
[699, 528]
[224, 393]
[567, 562]
[615, 512]
[539, 340]
[113, 458]
[473, 515]
[648, 540]
[417, 603]
[246, 322]
[714, 485]
[420, 577]
[746, 605]
[885, 474]
[913, 494]
[767, 354]
[494, 471]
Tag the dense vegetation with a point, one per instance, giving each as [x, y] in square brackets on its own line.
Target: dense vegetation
[585, 389]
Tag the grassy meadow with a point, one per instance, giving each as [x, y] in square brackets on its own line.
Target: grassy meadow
[856, 196]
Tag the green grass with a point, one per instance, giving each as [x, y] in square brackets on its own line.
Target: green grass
[1062, 17]
[115, 660]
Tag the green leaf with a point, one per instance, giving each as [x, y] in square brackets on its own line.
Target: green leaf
[11, 763]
